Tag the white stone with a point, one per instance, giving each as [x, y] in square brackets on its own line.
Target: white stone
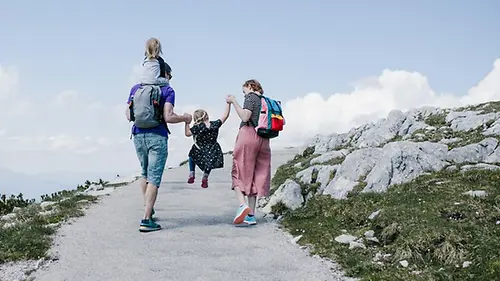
[473, 153]
[345, 238]
[323, 176]
[354, 244]
[355, 165]
[289, 193]
[494, 129]
[374, 215]
[378, 257]
[466, 264]
[395, 163]
[9, 217]
[296, 239]
[452, 168]
[9, 225]
[47, 213]
[402, 162]
[476, 193]
[448, 141]
[469, 120]
[480, 166]
[329, 156]
[404, 263]
[378, 161]
[369, 234]
[46, 204]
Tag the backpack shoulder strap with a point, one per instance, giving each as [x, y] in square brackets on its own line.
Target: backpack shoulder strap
[260, 99]
[162, 67]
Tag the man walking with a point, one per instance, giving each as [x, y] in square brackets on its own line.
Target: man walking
[151, 107]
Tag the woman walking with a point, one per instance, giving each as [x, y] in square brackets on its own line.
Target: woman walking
[251, 172]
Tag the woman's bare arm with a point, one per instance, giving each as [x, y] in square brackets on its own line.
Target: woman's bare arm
[244, 114]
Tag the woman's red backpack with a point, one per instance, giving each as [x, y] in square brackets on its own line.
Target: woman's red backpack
[271, 118]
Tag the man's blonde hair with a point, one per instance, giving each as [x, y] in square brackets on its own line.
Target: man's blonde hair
[153, 48]
[200, 116]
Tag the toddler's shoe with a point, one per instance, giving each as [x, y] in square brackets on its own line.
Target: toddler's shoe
[204, 183]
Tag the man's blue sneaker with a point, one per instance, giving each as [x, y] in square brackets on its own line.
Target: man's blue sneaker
[148, 226]
[250, 220]
[242, 212]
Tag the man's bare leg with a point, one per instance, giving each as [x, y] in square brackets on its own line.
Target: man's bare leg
[143, 185]
[150, 200]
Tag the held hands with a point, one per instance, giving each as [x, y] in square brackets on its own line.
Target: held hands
[230, 99]
[187, 118]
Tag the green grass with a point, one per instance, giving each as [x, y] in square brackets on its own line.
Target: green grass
[334, 161]
[31, 237]
[288, 170]
[469, 137]
[7, 204]
[437, 120]
[279, 209]
[419, 222]
[358, 188]
[484, 108]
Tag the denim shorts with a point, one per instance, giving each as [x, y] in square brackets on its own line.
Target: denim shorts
[152, 151]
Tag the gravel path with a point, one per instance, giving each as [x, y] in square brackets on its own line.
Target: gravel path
[198, 241]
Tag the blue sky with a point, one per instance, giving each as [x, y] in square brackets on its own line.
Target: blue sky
[294, 47]
[72, 64]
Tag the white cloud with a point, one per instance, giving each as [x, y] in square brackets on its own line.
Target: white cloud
[487, 89]
[88, 135]
[8, 82]
[374, 98]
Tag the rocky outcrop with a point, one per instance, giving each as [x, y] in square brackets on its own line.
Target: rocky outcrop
[400, 148]
[289, 194]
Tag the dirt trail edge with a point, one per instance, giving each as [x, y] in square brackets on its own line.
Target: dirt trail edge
[198, 241]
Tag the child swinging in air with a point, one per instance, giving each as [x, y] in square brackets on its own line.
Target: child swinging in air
[206, 152]
[154, 69]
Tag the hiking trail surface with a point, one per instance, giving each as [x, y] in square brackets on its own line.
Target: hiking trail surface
[197, 242]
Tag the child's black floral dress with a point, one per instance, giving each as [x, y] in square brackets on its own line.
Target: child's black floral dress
[206, 152]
